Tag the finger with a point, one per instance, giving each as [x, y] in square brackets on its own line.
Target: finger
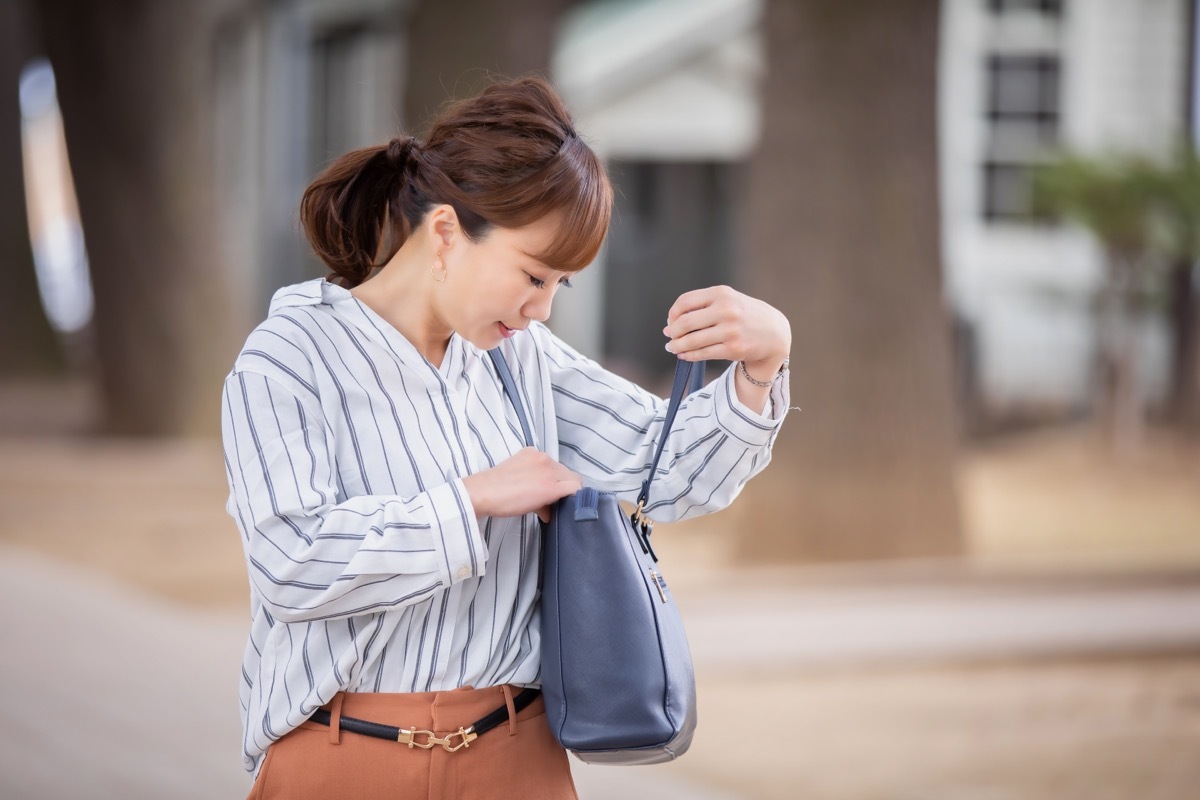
[696, 340]
[568, 487]
[690, 301]
[543, 513]
[709, 353]
[695, 320]
[563, 473]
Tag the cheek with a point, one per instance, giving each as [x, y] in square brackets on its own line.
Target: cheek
[503, 295]
[471, 289]
[486, 303]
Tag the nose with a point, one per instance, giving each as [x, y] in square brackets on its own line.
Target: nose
[538, 306]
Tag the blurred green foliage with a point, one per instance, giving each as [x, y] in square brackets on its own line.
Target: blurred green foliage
[1144, 213]
[1133, 204]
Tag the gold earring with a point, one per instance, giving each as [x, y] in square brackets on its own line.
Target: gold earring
[435, 271]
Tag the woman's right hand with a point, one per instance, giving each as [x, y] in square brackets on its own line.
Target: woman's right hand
[528, 481]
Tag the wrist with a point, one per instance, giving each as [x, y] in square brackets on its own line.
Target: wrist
[477, 494]
[763, 372]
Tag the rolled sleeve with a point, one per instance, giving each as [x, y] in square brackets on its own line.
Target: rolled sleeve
[751, 428]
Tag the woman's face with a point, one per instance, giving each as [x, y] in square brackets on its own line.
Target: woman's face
[494, 287]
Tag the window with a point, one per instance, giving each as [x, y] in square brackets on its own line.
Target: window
[1007, 191]
[1023, 113]
[338, 59]
[1051, 8]
[671, 232]
[1023, 103]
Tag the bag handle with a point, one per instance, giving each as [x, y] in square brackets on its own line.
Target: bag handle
[689, 376]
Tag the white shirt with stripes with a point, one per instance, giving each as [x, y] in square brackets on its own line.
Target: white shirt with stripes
[369, 570]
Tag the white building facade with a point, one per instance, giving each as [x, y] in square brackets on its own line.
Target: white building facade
[1021, 79]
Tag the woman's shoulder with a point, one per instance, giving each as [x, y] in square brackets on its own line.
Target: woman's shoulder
[295, 310]
[548, 345]
[283, 343]
[537, 345]
[541, 337]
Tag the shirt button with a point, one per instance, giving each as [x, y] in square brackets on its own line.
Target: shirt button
[464, 572]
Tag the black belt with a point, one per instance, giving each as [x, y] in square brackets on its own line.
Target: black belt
[410, 737]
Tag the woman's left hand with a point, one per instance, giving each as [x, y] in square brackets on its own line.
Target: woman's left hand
[720, 322]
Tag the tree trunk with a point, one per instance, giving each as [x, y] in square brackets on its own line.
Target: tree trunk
[841, 231]
[1184, 408]
[453, 46]
[30, 345]
[1126, 320]
[135, 85]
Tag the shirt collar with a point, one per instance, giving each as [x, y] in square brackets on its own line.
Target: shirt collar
[309, 293]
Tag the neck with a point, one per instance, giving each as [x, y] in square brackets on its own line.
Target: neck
[402, 294]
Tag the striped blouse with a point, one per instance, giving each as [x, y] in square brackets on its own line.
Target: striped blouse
[369, 570]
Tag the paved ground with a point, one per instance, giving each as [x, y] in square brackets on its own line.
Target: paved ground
[756, 621]
[112, 693]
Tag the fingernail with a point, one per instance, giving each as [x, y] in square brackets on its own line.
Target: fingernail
[667, 347]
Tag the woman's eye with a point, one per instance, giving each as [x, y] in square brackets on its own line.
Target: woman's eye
[539, 283]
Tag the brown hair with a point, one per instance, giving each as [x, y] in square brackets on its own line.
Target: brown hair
[506, 158]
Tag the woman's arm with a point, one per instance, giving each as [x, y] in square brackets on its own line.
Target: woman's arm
[607, 427]
[312, 553]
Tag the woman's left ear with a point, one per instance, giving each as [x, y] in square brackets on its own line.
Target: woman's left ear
[443, 226]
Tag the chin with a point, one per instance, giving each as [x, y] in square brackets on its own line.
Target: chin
[486, 341]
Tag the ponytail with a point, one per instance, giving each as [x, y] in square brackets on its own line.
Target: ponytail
[344, 210]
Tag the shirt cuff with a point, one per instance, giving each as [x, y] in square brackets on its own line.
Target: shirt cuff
[454, 524]
[747, 426]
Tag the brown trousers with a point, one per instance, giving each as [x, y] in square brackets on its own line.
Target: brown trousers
[519, 759]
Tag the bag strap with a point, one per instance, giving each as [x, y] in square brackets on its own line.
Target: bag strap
[510, 389]
[689, 376]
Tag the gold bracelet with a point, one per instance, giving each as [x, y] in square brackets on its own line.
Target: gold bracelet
[759, 383]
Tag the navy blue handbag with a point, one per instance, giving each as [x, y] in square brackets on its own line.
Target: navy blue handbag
[616, 669]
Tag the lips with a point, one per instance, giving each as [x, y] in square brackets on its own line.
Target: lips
[505, 331]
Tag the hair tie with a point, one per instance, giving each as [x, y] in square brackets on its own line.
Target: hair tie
[400, 153]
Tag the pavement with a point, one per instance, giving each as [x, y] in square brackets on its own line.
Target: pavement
[761, 620]
[112, 692]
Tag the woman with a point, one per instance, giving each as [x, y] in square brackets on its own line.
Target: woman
[377, 470]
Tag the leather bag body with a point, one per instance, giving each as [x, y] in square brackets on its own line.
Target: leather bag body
[616, 668]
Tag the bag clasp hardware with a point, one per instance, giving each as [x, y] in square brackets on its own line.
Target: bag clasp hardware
[409, 737]
[643, 526]
[660, 584]
[639, 519]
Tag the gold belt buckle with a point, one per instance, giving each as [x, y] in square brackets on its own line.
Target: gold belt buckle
[410, 738]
